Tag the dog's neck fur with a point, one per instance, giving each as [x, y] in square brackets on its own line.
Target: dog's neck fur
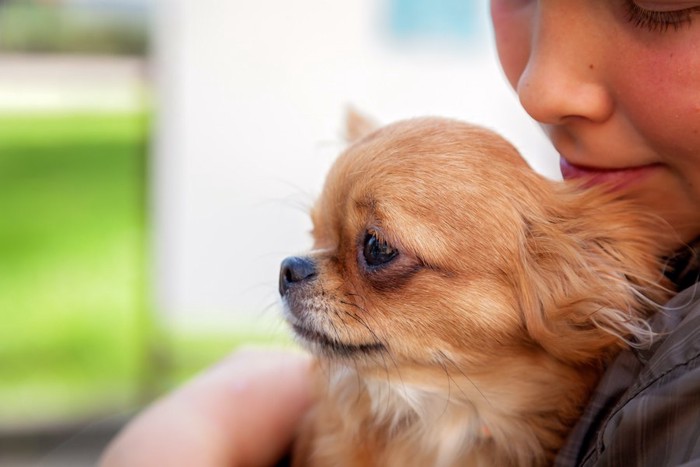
[446, 424]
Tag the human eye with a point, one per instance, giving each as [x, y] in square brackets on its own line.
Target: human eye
[661, 15]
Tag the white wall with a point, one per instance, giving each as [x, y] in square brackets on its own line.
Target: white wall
[251, 97]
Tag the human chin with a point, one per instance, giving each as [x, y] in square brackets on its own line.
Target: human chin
[679, 208]
[666, 195]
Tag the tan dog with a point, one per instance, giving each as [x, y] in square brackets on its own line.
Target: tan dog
[461, 306]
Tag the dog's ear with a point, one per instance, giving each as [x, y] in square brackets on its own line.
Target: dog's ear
[357, 125]
[591, 273]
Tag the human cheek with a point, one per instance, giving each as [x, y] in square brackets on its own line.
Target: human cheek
[663, 104]
[663, 101]
[512, 25]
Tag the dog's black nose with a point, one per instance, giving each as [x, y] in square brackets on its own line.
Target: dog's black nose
[294, 270]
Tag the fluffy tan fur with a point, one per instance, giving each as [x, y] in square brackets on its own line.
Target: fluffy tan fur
[481, 340]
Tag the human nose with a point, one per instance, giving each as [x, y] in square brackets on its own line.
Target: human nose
[564, 76]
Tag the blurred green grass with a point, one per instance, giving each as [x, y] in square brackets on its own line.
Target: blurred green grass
[77, 338]
[71, 263]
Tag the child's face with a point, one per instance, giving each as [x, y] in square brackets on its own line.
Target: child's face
[616, 86]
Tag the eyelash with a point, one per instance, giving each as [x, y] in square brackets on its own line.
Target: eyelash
[658, 20]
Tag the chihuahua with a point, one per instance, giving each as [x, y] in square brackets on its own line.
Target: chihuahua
[461, 308]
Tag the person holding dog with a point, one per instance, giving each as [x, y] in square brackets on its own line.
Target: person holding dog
[615, 84]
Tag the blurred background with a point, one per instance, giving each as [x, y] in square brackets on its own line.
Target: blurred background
[156, 163]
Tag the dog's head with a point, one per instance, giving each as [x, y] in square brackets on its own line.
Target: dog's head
[434, 240]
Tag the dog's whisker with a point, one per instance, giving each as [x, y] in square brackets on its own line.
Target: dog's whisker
[449, 388]
[380, 340]
[266, 308]
[369, 329]
[360, 386]
[457, 367]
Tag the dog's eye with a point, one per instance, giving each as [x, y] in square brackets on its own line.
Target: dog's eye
[377, 251]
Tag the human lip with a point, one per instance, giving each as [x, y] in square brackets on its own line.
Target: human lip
[614, 178]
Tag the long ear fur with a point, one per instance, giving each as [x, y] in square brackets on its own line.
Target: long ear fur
[357, 125]
[592, 274]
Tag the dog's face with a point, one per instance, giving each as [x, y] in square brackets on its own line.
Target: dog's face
[422, 236]
[415, 235]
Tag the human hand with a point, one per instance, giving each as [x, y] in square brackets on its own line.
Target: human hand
[242, 412]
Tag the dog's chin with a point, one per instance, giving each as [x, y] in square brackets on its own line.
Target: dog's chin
[326, 346]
